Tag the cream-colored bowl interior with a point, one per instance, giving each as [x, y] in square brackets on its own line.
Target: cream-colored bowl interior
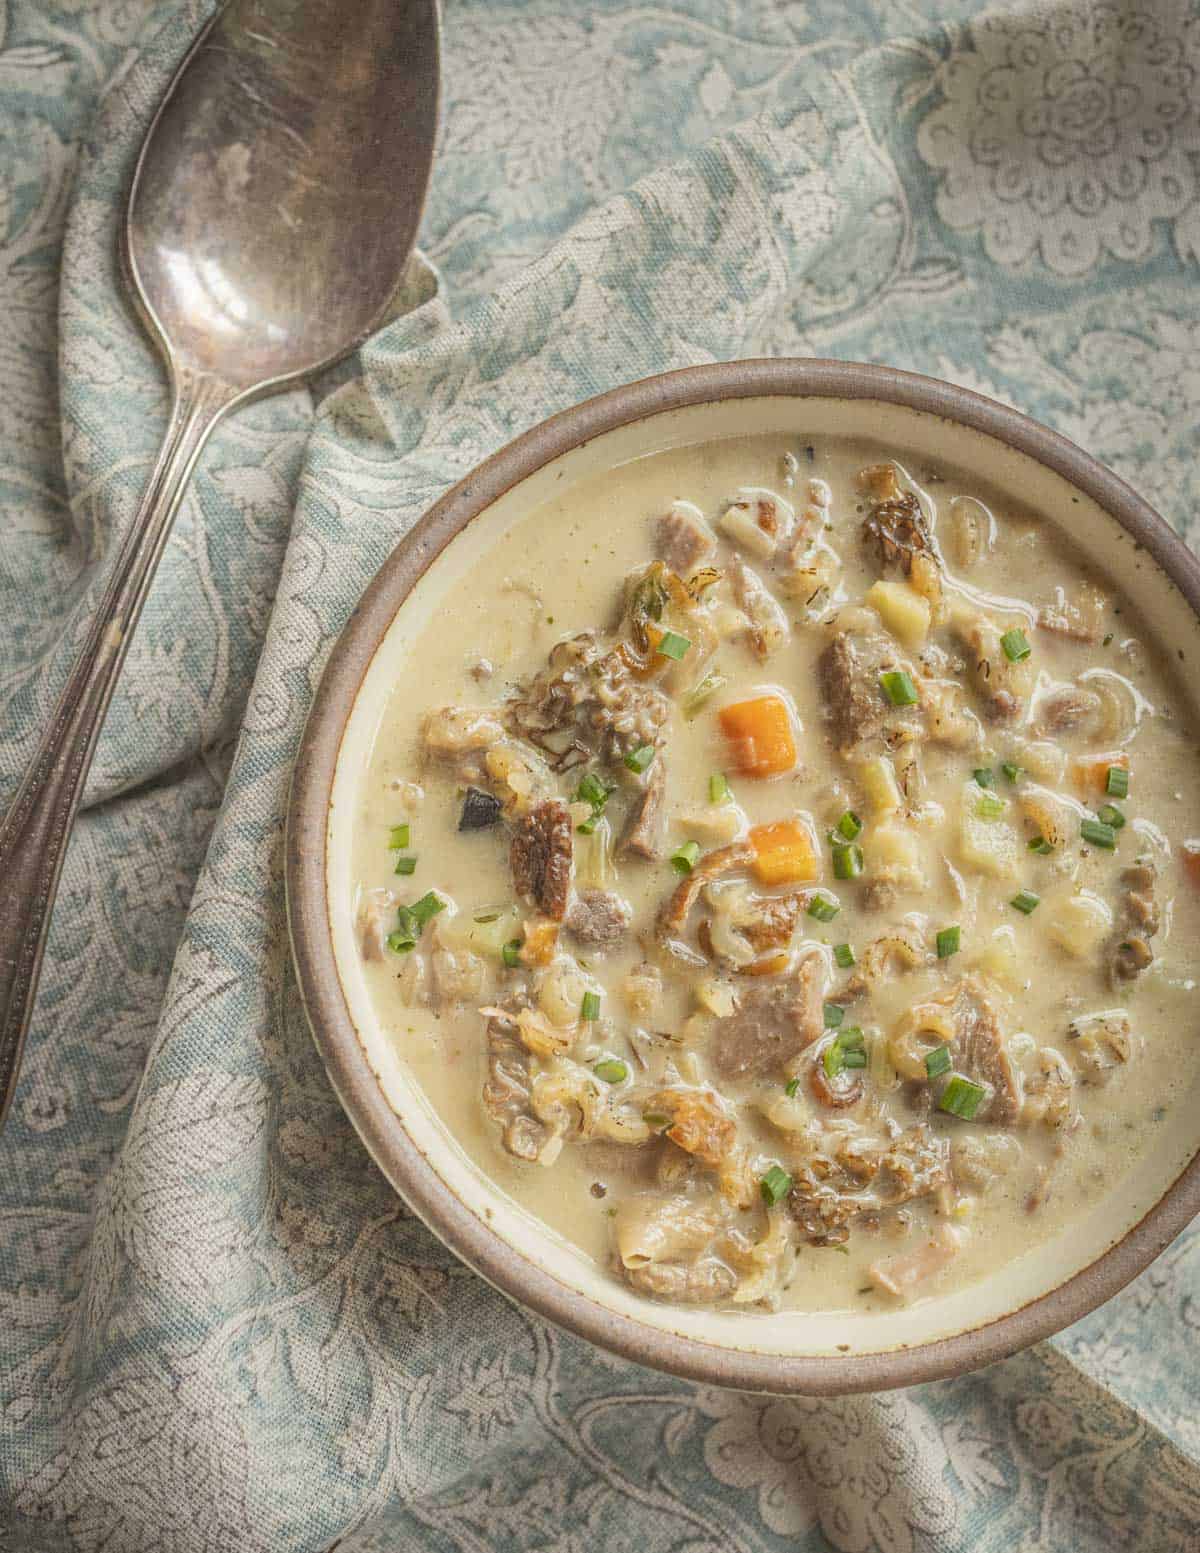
[788, 1333]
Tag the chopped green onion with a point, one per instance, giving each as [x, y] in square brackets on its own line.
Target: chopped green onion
[849, 825]
[961, 1098]
[989, 807]
[1016, 645]
[1013, 773]
[775, 1185]
[400, 942]
[511, 953]
[854, 1059]
[672, 645]
[612, 1070]
[590, 1007]
[718, 788]
[949, 940]
[593, 789]
[984, 776]
[1098, 833]
[791, 1088]
[834, 1014]
[638, 759]
[483, 917]
[937, 1061]
[898, 687]
[699, 693]
[823, 907]
[588, 828]
[405, 865]
[847, 861]
[398, 837]
[1116, 782]
[656, 1119]
[1026, 901]
[685, 857]
[844, 1051]
[1109, 814]
[427, 908]
[844, 955]
[1040, 845]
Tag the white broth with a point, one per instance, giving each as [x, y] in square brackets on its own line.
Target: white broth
[930, 997]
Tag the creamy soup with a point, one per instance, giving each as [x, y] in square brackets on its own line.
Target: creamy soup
[776, 868]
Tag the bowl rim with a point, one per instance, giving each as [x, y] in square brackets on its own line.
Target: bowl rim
[404, 1164]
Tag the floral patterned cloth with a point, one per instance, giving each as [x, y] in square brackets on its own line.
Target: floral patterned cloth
[219, 1329]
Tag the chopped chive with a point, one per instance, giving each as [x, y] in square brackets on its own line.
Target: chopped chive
[593, 789]
[399, 834]
[897, 685]
[718, 787]
[590, 1007]
[1040, 845]
[638, 759]
[949, 941]
[656, 1119]
[852, 1038]
[853, 1059]
[1016, 645]
[849, 825]
[846, 1050]
[483, 917]
[1116, 782]
[847, 861]
[844, 955]
[1109, 814]
[823, 907]
[989, 807]
[685, 857]
[405, 865]
[511, 953]
[937, 1061]
[1026, 901]
[984, 776]
[427, 908]
[672, 645]
[791, 1088]
[400, 942]
[961, 1098]
[699, 693]
[834, 1014]
[1098, 833]
[612, 1070]
[1013, 773]
[588, 827]
[775, 1185]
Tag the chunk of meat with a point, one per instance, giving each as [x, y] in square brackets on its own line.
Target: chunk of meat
[901, 1275]
[643, 834]
[758, 521]
[699, 1123]
[598, 918]
[768, 627]
[1137, 923]
[541, 854]
[587, 701]
[1002, 686]
[506, 1091]
[844, 1170]
[896, 530]
[752, 933]
[672, 919]
[1050, 1092]
[860, 714]
[979, 1053]
[376, 910]
[773, 1024]
[683, 539]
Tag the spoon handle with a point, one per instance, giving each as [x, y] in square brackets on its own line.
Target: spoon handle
[34, 833]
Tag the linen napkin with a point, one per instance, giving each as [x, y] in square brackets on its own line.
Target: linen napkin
[219, 1328]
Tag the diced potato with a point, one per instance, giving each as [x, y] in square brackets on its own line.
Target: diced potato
[894, 852]
[463, 933]
[989, 846]
[877, 778]
[717, 995]
[903, 611]
[1079, 923]
[785, 852]
[1043, 760]
[716, 826]
[757, 520]
[998, 959]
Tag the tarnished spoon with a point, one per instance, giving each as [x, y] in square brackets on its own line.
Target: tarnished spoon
[272, 213]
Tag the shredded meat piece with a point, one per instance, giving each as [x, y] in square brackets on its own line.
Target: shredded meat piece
[1138, 922]
[587, 702]
[672, 919]
[700, 1281]
[643, 834]
[598, 917]
[768, 623]
[900, 1275]
[683, 539]
[772, 1026]
[845, 1171]
[1002, 686]
[376, 909]
[541, 857]
[849, 672]
[895, 531]
[1050, 1092]
[506, 1092]
[978, 1051]
[699, 1124]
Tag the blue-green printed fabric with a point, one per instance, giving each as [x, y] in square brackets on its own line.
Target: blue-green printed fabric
[219, 1329]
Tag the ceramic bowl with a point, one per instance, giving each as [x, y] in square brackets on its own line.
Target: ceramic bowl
[1023, 1302]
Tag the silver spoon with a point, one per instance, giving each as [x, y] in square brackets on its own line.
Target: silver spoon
[272, 213]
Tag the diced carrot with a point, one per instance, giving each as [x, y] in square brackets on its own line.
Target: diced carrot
[1092, 772]
[1189, 855]
[760, 736]
[784, 853]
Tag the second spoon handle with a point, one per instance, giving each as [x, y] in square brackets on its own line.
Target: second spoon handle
[35, 831]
